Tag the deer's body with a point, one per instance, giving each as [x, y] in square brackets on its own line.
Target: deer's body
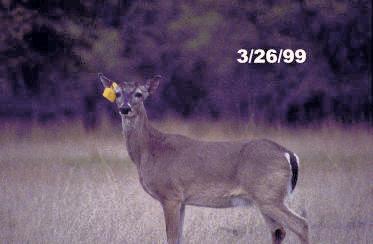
[209, 174]
[179, 171]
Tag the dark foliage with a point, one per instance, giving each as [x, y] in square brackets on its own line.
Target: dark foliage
[51, 51]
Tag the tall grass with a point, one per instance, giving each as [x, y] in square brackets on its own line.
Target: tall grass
[59, 184]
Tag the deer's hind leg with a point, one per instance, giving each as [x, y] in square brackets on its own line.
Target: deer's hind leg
[285, 217]
[278, 232]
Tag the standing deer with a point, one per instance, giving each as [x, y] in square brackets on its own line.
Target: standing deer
[178, 171]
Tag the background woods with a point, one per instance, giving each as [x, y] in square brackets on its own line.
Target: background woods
[51, 52]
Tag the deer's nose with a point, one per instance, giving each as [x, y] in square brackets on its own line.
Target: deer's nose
[124, 110]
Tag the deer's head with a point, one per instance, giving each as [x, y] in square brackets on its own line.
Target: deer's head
[129, 96]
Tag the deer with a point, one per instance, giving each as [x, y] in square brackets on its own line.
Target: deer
[179, 171]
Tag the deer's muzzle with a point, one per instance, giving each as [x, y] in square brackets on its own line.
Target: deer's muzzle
[125, 110]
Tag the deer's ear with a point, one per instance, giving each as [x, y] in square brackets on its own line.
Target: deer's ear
[106, 82]
[153, 83]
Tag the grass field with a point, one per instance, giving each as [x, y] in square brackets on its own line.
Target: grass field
[60, 185]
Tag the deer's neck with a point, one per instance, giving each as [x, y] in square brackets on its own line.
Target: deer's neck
[139, 134]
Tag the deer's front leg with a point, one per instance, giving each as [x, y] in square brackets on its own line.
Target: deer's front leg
[174, 217]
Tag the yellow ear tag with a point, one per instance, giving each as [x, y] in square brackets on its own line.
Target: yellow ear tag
[109, 92]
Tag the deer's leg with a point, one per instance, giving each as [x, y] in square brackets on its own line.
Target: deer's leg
[174, 217]
[281, 214]
[277, 231]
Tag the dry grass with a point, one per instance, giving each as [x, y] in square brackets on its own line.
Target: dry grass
[62, 186]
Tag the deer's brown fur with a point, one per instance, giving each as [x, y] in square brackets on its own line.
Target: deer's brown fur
[179, 171]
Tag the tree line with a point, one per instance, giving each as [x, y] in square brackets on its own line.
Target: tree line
[51, 52]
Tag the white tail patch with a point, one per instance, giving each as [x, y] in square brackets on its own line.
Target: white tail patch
[287, 156]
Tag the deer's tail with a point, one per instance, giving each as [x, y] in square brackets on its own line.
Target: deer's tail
[294, 166]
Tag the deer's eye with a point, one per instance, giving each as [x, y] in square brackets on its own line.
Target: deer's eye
[117, 94]
[138, 94]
